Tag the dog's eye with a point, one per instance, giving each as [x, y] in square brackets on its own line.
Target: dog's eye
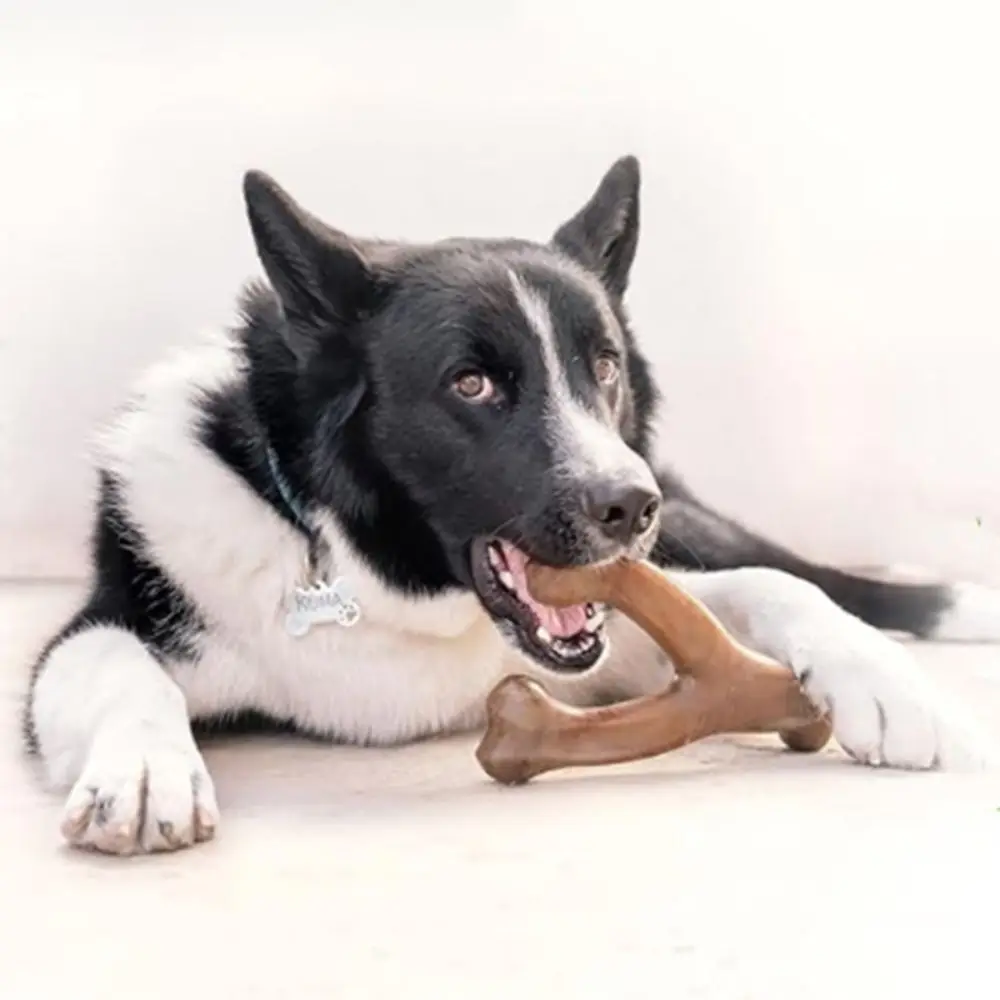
[474, 387]
[607, 369]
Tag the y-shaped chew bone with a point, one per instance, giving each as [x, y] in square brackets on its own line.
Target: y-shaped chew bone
[721, 686]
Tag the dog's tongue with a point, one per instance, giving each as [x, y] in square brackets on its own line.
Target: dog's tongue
[560, 622]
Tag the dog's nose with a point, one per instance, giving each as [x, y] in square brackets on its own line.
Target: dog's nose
[623, 511]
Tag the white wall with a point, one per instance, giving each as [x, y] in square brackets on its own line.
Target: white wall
[817, 279]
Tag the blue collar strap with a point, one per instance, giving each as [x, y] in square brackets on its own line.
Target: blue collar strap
[285, 491]
[295, 510]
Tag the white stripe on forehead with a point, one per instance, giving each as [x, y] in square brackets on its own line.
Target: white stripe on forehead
[572, 273]
[539, 316]
[584, 443]
[535, 307]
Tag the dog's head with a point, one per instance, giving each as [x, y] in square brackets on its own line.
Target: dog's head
[471, 405]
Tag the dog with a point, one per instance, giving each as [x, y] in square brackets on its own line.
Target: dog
[323, 517]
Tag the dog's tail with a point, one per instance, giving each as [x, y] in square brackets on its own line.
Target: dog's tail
[695, 537]
[885, 598]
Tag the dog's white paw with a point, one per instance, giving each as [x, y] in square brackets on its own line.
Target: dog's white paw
[140, 791]
[886, 711]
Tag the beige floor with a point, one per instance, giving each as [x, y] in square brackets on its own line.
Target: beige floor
[727, 871]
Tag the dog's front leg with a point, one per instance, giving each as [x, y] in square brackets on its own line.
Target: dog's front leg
[112, 726]
[885, 709]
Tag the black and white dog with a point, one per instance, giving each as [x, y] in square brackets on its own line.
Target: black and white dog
[325, 515]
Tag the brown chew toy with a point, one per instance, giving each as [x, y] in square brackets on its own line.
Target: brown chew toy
[721, 686]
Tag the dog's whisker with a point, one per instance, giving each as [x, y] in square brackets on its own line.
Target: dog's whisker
[680, 541]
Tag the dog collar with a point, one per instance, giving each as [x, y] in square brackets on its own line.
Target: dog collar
[319, 601]
[293, 508]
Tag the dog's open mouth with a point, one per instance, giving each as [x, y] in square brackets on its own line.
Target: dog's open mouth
[563, 639]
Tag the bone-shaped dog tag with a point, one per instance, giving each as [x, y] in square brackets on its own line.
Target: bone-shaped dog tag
[322, 604]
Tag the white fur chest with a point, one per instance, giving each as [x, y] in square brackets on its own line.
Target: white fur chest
[366, 684]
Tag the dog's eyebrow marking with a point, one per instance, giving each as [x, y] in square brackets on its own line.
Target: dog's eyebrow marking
[583, 438]
[536, 311]
[533, 304]
[567, 270]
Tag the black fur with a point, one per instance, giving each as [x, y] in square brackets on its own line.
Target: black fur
[349, 378]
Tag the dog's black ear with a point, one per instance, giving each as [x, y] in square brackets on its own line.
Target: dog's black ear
[318, 273]
[604, 234]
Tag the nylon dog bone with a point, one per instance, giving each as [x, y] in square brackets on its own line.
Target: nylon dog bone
[721, 686]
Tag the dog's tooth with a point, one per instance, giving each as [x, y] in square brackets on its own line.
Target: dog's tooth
[506, 578]
[493, 554]
[590, 610]
[594, 624]
[543, 635]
